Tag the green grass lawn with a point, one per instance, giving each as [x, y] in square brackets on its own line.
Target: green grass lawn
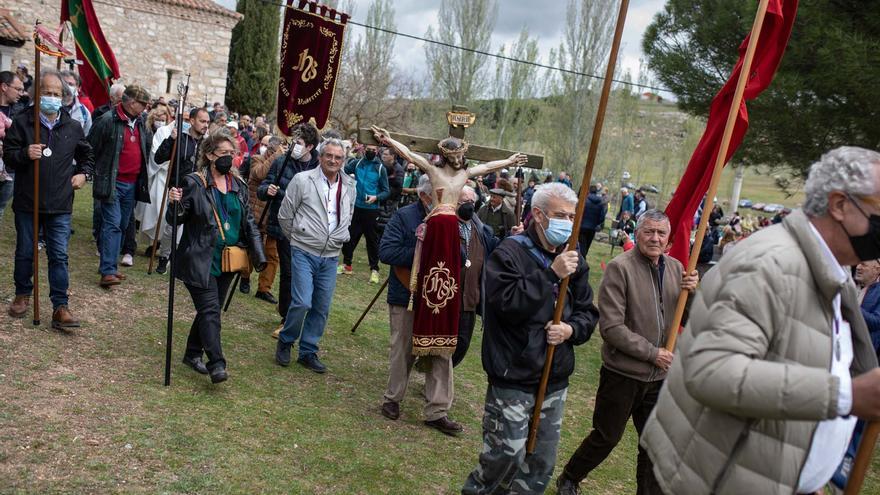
[87, 413]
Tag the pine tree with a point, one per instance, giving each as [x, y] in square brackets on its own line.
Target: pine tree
[252, 79]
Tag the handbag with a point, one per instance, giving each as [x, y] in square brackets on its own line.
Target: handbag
[233, 258]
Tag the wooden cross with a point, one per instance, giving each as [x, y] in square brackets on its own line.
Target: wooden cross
[459, 120]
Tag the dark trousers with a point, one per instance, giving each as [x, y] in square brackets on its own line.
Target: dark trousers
[617, 399]
[284, 278]
[129, 240]
[204, 335]
[466, 323]
[585, 238]
[363, 222]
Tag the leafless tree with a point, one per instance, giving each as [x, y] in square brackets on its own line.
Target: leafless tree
[515, 84]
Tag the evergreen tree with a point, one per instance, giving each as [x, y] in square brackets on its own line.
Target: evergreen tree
[824, 92]
[252, 80]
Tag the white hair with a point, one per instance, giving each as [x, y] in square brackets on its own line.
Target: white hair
[117, 89]
[470, 190]
[553, 190]
[425, 186]
[652, 216]
[847, 169]
[332, 142]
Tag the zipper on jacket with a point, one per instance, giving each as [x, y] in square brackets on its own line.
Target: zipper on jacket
[654, 291]
[736, 447]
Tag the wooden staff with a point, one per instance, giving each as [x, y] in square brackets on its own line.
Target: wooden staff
[519, 193]
[745, 72]
[370, 306]
[37, 140]
[572, 241]
[863, 459]
[171, 162]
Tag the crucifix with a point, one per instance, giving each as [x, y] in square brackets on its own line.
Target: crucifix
[434, 280]
[448, 181]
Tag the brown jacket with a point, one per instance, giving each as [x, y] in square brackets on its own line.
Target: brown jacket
[634, 313]
[260, 166]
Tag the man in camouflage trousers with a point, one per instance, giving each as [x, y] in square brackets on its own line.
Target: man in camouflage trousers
[522, 281]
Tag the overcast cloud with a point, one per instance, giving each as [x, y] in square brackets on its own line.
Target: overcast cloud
[545, 20]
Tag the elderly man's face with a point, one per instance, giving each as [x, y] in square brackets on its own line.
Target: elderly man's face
[853, 212]
[332, 158]
[51, 86]
[652, 238]
[867, 272]
[495, 200]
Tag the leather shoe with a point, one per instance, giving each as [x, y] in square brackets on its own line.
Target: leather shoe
[108, 281]
[244, 286]
[445, 425]
[162, 267]
[62, 319]
[313, 363]
[219, 375]
[565, 486]
[266, 296]
[19, 306]
[391, 410]
[196, 364]
[120, 276]
[282, 353]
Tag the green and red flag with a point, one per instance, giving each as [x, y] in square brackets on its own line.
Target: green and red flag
[99, 67]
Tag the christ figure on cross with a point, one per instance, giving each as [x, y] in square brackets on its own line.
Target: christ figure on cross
[434, 281]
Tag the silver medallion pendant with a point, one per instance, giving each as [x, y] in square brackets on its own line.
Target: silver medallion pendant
[47, 152]
[467, 263]
[225, 225]
[132, 138]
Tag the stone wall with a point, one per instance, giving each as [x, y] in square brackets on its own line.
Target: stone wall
[150, 38]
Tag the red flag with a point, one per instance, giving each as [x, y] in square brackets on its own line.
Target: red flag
[775, 33]
[311, 50]
[99, 64]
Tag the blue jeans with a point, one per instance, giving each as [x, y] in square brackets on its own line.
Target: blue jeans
[311, 289]
[115, 215]
[56, 229]
[6, 189]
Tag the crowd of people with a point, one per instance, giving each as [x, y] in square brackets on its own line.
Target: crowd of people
[776, 363]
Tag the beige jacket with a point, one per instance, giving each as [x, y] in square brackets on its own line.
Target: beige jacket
[751, 378]
[634, 313]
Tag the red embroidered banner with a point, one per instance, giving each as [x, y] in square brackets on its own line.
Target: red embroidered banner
[311, 49]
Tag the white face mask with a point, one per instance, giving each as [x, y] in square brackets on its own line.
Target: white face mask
[263, 149]
[158, 123]
[298, 151]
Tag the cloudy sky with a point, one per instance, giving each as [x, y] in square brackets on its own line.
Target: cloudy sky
[546, 22]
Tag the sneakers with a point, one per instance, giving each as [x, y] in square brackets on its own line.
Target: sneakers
[127, 260]
[339, 269]
[374, 277]
[346, 269]
[19, 306]
[63, 320]
[162, 267]
[312, 362]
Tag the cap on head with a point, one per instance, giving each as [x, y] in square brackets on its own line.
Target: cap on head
[232, 124]
[137, 93]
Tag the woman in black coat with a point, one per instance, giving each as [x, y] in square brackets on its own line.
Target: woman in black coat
[214, 192]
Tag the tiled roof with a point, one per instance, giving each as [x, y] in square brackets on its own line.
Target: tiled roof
[203, 5]
[11, 32]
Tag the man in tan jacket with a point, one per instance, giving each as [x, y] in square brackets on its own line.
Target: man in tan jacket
[636, 299]
[776, 362]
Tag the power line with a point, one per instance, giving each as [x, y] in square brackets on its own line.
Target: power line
[503, 57]
[494, 55]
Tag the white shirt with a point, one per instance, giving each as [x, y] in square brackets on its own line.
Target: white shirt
[832, 436]
[330, 191]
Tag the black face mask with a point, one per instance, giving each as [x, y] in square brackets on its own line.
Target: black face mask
[369, 155]
[223, 164]
[866, 246]
[465, 211]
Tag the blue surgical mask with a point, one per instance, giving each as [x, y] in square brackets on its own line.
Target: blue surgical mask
[186, 126]
[558, 231]
[50, 104]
